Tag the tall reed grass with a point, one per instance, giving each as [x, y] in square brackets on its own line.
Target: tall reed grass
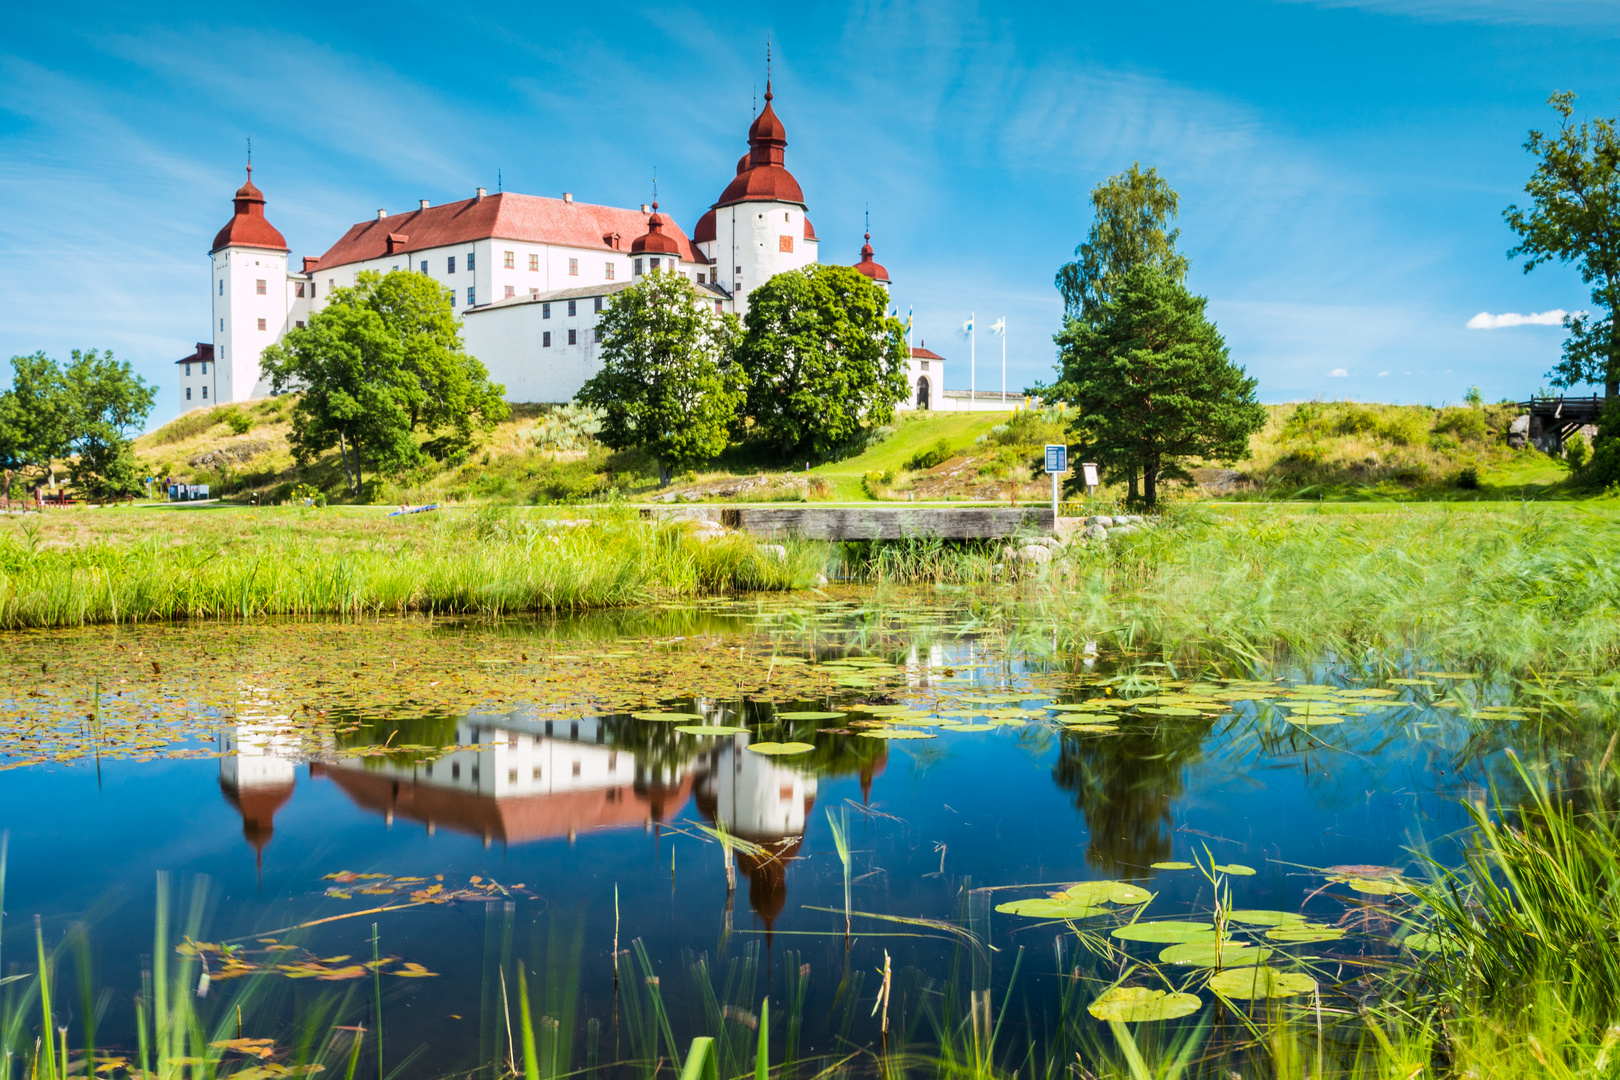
[491, 564]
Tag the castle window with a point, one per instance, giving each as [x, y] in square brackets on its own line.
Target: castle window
[572, 311]
[545, 340]
[470, 296]
[534, 262]
[299, 324]
[222, 287]
[597, 300]
[573, 338]
[573, 268]
[312, 286]
[300, 290]
[510, 292]
[700, 277]
[205, 393]
[450, 265]
[545, 310]
[652, 264]
[635, 270]
[261, 324]
[607, 271]
[784, 215]
[188, 393]
[534, 294]
[258, 286]
[470, 261]
[718, 310]
[188, 371]
[205, 367]
[222, 324]
[424, 266]
[511, 260]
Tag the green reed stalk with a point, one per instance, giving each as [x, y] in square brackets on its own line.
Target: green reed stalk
[839, 826]
[48, 1054]
[762, 1057]
[531, 1064]
[376, 990]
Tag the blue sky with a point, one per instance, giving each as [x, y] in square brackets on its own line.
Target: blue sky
[1343, 164]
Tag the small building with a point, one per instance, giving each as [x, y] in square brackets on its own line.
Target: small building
[198, 373]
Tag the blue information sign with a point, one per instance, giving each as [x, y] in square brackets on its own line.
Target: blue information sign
[1057, 459]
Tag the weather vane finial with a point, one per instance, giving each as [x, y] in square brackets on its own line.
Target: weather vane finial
[655, 189]
[767, 68]
[250, 155]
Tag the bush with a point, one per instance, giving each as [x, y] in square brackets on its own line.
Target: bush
[936, 454]
[1355, 420]
[568, 481]
[238, 421]
[1468, 479]
[1466, 424]
[187, 426]
[1406, 427]
[1576, 452]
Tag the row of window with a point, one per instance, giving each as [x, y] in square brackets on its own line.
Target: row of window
[545, 308]
[573, 339]
[204, 393]
[204, 369]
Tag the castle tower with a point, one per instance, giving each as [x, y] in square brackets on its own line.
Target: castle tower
[871, 268]
[249, 290]
[758, 228]
[655, 250]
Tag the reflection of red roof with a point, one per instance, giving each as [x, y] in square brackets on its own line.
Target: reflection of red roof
[766, 178]
[513, 819]
[526, 218]
[248, 227]
[258, 806]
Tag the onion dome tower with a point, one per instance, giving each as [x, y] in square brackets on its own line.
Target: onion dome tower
[655, 249]
[870, 267]
[250, 298]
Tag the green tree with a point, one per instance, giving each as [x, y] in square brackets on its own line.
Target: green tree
[36, 416]
[668, 382]
[1574, 217]
[823, 359]
[108, 403]
[1134, 210]
[383, 360]
[1150, 381]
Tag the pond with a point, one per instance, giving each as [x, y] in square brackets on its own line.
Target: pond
[873, 812]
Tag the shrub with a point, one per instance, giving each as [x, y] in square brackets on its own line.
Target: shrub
[237, 420]
[1466, 424]
[187, 426]
[1355, 420]
[1468, 479]
[936, 454]
[1405, 427]
[568, 481]
[1576, 452]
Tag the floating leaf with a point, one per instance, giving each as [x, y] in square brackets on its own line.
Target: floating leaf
[1304, 933]
[1213, 954]
[1264, 918]
[1137, 1003]
[667, 716]
[1047, 907]
[1313, 720]
[414, 971]
[1166, 932]
[967, 727]
[1097, 729]
[1374, 886]
[1170, 710]
[1107, 892]
[1260, 982]
[1424, 941]
[809, 715]
[711, 729]
[781, 749]
[1172, 866]
[1235, 869]
[898, 733]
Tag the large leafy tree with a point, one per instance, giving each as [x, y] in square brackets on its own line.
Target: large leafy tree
[109, 403]
[668, 382]
[1133, 210]
[1151, 382]
[823, 357]
[1574, 217]
[36, 416]
[381, 362]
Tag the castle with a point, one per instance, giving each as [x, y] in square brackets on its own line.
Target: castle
[529, 275]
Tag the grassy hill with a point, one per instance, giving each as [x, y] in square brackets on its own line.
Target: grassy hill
[1311, 450]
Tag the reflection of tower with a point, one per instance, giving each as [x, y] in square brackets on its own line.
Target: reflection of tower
[256, 776]
[765, 801]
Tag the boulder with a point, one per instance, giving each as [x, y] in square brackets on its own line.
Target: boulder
[1102, 519]
[1035, 553]
[1096, 532]
[774, 551]
[1519, 432]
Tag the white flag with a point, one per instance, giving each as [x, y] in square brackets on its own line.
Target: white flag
[967, 327]
[999, 326]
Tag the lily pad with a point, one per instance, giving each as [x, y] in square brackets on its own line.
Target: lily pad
[1095, 729]
[667, 715]
[1169, 710]
[781, 749]
[1107, 892]
[1172, 866]
[898, 733]
[1313, 720]
[1214, 954]
[1047, 907]
[967, 727]
[1304, 933]
[1137, 1003]
[1423, 941]
[1264, 918]
[809, 715]
[1261, 982]
[711, 729]
[1166, 932]
[1374, 886]
[1235, 869]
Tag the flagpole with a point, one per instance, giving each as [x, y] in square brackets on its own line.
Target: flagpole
[973, 361]
[1004, 361]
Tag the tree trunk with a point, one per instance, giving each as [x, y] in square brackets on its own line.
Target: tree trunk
[663, 474]
[1133, 496]
[343, 455]
[1150, 483]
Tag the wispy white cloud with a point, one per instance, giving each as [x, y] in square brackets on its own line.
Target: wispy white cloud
[1381, 374]
[1528, 12]
[1338, 373]
[1486, 321]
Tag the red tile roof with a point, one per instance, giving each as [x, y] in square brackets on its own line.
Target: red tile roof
[765, 178]
[248, 226]
[867, 266]
[656, 240]
[809, 229]
[526, 218]
[926, 354]
[205, 351]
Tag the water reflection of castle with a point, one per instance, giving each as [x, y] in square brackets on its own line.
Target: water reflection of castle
[517, 778]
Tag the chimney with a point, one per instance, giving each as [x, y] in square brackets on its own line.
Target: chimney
[480, 196]
[422, 204]
[568, 196]
[381, 213]
[645, 209]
